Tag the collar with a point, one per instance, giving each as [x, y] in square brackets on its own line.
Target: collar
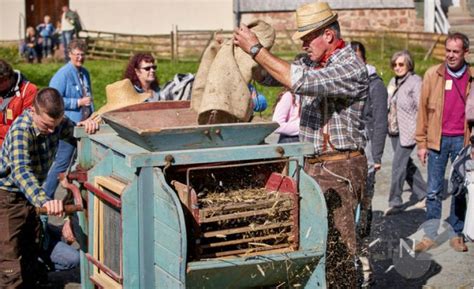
[339, 45]
[456, 74]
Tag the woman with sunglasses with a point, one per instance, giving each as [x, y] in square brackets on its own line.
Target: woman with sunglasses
[141, 70]
[403, 97]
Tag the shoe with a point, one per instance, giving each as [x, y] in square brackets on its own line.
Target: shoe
[420, 205]
[424, 245]
[457, 243]
[392, 211]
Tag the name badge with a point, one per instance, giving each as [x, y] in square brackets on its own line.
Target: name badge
[449, 84]
[9, 114]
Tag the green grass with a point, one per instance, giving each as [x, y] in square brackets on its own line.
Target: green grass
[104, 72]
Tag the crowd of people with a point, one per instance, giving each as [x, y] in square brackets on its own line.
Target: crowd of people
[332, 99]
[41, 41]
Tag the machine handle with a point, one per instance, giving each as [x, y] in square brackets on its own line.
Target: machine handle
[68, 209]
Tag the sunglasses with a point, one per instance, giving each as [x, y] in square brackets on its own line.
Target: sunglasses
[147, 68]
[399, 64]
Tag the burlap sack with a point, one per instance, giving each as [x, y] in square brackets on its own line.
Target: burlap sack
[220, 91]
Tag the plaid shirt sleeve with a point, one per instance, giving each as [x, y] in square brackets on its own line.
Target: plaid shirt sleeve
[342, 79]
[22, 171]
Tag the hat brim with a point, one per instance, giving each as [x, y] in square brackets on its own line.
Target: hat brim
[108, 107]
[302, 33]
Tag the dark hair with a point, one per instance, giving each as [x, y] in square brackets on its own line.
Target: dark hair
[49, 101]
[357, 46]
[458, 35]
[336, 28]
[77, 44]
[6, 70]
[134, 63]
[409, 62]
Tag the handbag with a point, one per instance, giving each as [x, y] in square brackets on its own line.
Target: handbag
[392, 111]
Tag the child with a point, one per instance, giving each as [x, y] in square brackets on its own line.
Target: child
[46, 31]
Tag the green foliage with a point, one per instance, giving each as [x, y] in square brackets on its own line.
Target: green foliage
[104, 72]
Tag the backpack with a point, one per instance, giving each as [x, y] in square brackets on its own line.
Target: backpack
[75, 20]
[179, 88]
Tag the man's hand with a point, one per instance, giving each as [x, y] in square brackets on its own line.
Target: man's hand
[54, 207]
[84, 101]
[68, 233]
[422, 155]
[245, 38]
[89, 125]
[377, 167]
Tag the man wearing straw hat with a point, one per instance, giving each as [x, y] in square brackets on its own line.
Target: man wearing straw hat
[333, 84]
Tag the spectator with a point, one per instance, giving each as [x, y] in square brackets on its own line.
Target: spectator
[25, 157]
[16, 93]
[141, 70]
[287, 113]
[30, 48]
[74, 84]
[403, 99]
[67, 31]
[441, 132]
[375, 116]
[46, 31]
[333, 91]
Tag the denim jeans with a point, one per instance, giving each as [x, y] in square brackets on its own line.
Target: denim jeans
[437, 162]
[67, 37]
[63, 158]
[47, 46]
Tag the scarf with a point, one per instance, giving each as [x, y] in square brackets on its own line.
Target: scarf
[340, 44]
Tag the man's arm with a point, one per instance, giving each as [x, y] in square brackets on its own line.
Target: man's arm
[276, 67]
[21, 169]
[422, 121]
[379, 97]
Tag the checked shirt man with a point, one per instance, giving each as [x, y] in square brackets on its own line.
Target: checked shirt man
[334, 86]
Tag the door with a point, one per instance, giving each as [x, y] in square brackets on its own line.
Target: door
[35, 10]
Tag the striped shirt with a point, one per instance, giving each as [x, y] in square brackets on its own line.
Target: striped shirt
[344, 84]
[29, 155]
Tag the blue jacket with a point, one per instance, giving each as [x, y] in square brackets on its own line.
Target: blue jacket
[66, 81]
[45, 30]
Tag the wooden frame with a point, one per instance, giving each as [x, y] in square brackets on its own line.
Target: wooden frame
[102, 275]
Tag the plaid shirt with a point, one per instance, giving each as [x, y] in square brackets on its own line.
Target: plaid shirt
[29, 155]
[344, 84]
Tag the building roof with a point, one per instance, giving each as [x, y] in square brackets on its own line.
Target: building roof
[243, 6]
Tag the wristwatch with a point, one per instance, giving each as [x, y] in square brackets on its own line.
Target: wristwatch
[254, 50]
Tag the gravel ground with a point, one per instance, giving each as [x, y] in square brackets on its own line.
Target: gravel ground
[441, 268]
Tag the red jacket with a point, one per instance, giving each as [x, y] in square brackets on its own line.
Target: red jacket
[24, 93]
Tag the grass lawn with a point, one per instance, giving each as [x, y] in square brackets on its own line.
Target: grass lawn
[104, 72]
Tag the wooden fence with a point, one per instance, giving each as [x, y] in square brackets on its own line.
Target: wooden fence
[189, 44]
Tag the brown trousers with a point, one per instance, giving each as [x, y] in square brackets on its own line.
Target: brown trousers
[342, 182]
[19, 242]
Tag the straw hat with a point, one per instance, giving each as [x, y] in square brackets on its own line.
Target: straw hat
[120, 94]
[311, 17]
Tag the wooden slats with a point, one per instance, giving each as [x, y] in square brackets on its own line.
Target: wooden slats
[247, 240]
[244, 229]
[252, 213]
[251, 251]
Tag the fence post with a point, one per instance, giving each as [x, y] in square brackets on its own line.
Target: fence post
[382, 44]
[406, 41]
[176, 42]
[172, 45]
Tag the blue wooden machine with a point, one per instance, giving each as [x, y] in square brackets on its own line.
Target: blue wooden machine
[173, 204]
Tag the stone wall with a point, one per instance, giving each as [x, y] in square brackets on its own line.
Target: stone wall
[402, 19]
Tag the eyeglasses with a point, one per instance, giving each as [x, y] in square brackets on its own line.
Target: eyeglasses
[78, 54]
[147, 68]
[399, 64]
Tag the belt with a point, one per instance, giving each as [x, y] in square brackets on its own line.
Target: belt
[334, 156]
